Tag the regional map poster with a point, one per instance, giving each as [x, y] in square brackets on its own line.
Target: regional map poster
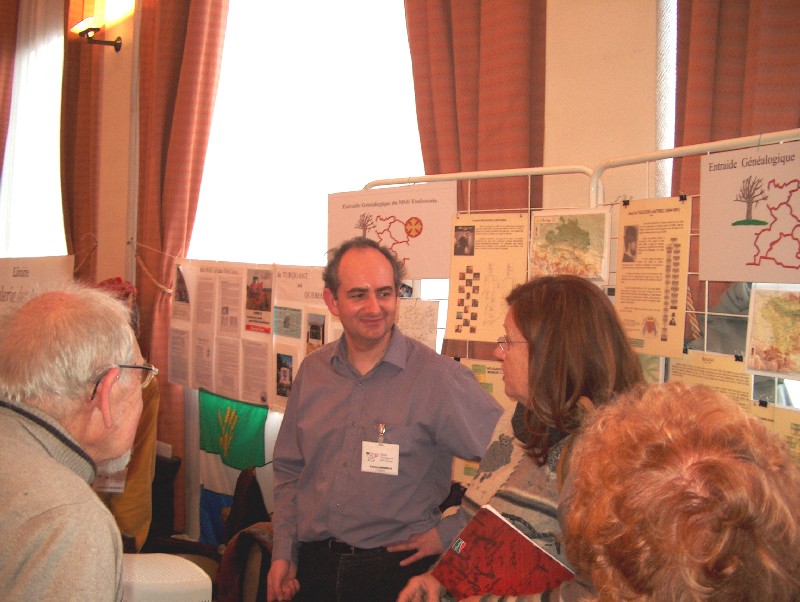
[570, 241]
[489, 258]
[773, 331]
[750, 206]
[652, 270]
[411, 221]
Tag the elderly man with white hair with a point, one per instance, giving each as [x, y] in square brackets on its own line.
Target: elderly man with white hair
[71, 379]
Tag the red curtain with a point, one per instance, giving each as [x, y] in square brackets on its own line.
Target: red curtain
[737, 74]
[180, 55]
[479, 81]
[738, 62]
[9, 10]
[80, 122]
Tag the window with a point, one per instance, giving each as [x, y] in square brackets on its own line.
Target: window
[666, 79]
[310, 102]
[31, 218]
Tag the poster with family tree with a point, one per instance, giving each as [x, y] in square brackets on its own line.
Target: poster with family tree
[652, 271]
[489, 258]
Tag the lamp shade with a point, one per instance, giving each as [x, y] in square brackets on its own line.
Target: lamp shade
[86, 24]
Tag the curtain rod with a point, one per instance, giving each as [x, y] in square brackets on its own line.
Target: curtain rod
[480, 175]
[596, 185]
[595, 188]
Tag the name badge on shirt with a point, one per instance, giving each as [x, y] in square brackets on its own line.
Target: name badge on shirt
[383, 458]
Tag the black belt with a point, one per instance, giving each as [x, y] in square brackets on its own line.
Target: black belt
[340, 547]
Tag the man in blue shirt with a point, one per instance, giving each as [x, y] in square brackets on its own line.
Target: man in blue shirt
[364, 455]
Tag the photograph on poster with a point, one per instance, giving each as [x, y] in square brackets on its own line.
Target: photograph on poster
[259, 290]
[315, 331]
[285, 374]
[630, 242]
[258, 304]
[181, 288]
[464, 237]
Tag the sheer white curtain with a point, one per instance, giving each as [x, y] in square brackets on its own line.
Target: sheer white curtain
[31, 219]
[314, 98]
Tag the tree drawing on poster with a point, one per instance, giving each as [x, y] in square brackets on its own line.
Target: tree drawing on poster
[750, 203]
[410, 221]
[751, 193]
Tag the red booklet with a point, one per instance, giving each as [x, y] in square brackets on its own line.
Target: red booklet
[492, 556]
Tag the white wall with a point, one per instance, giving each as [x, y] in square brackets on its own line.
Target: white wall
[600, 94]
[117, 195]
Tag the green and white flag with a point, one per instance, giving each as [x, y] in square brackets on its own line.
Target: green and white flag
[233, 430]
[232, 438]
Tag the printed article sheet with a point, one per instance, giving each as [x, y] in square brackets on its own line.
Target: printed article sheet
[773, 331]
[751, 207]
[20, 277]
[784, 421]
[241, 330]
[489, 259]
[570, 241]
[726, 374]
[417, 318]
[409, 220]
[721, 372]
[490, 375]
[652, 269]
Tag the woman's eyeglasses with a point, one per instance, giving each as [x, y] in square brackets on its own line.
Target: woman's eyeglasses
[505, 344]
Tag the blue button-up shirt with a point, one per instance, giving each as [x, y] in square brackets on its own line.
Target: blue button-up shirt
[433, 408]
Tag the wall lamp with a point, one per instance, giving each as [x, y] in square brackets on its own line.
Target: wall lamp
[89, 27]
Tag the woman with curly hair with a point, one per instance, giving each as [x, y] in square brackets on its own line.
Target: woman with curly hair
[675, 493]
[564, 353]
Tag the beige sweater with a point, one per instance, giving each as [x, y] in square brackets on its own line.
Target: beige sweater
[59, 542]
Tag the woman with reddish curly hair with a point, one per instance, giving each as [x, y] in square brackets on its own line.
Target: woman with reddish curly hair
[677, 494]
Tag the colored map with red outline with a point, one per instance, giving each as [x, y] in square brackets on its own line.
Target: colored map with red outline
[394, 233]
[780, 241]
